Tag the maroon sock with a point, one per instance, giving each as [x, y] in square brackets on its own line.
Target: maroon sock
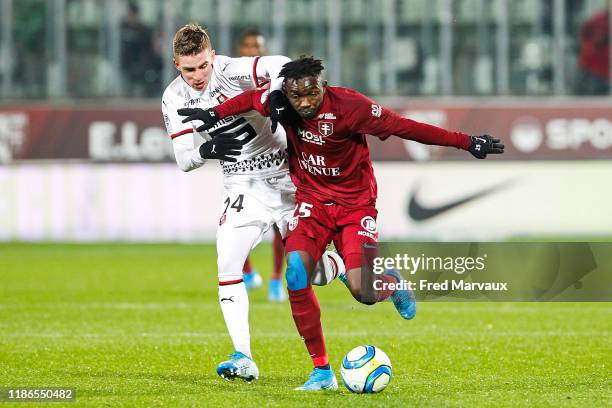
[307, 317]
[385, 292]
[247, 268]
[278, 253]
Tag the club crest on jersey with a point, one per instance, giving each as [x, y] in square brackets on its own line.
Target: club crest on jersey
[293, 222]
[326, 128]
[376, 110]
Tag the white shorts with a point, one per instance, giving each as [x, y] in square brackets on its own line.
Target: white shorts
[250, 207]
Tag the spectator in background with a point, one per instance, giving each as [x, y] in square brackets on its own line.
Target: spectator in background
[141, 64]
[251, 43]
[594, 59]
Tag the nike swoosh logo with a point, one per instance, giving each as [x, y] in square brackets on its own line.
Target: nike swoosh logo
[231, 299]
[419, 212]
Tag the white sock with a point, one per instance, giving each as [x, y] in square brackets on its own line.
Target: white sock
[234, 303]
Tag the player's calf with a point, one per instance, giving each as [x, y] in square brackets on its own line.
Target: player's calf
[354, 283]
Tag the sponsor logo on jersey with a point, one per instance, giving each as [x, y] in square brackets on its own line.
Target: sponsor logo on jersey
[215, 91]
[315, 164]
[326, 128]
[376, 110]
[328, 116]
[308, 136]
[240, 78]
[192, 102]
[368, 223]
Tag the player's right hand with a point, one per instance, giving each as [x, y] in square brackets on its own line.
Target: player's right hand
[222, 147]
[208, 116]
[279, 105]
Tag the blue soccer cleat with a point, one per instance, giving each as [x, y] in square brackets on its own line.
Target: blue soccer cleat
[276, 292]
[343, 279]
[252, 280]
[403, 299]
[238, 366]
[320, 380]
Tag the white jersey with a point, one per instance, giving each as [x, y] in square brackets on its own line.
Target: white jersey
[265, 153]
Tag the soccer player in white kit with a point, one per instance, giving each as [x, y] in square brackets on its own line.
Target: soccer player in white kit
[258, 191]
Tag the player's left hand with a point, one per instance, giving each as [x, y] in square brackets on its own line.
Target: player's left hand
[480, 146]
[209, 116]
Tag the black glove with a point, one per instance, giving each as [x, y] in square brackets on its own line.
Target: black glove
[279, 105]
[223, 147]
[208, 116]
[480, 146]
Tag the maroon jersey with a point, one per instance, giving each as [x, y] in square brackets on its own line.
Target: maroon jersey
[328, 155]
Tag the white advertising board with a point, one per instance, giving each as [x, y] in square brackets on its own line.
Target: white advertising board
[451, 200]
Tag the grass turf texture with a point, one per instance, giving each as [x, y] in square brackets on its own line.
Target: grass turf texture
[139, 325]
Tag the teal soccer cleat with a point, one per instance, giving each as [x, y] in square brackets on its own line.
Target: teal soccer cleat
[320, 380]
[403, 299]
[238, 366]
[276, 292]
[343, 279]
[252, 280]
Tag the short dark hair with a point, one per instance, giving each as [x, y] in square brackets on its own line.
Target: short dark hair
[302, 67]
[249, 32]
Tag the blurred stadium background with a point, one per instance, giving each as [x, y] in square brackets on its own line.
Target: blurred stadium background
[84, 155]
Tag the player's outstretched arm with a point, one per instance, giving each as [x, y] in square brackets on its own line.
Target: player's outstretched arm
[371, 118]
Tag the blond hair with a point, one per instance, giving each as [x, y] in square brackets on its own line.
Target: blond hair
[190, 39]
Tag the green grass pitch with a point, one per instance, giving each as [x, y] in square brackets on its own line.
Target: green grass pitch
[139, 325]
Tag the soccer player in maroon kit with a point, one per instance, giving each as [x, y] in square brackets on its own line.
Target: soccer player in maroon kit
[330, 165]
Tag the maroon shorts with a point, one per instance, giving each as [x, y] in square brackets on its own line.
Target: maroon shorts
[314, 225]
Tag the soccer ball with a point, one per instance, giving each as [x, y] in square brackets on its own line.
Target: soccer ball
[366, 369]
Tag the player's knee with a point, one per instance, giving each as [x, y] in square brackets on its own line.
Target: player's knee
[228, 268]
[296, 275]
